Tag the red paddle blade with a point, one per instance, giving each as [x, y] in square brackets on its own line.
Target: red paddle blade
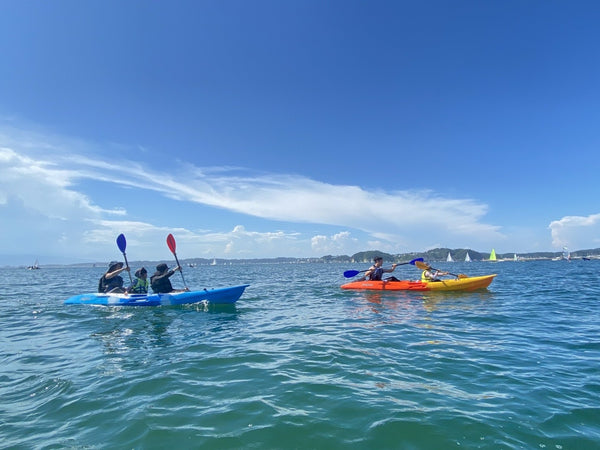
[171, 243]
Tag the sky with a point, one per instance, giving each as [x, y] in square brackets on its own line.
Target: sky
[267, 128]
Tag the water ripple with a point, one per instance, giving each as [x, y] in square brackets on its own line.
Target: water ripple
[299, 363]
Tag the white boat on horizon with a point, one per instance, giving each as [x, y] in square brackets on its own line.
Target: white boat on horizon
[449, 258]
[467, 258]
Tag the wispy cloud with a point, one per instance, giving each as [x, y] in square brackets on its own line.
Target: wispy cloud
[48, 180]
[292, 198]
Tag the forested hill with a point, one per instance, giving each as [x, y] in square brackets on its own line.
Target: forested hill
[437, 254]
[459, 254]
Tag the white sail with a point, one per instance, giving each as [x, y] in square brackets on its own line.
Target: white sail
[449, 258]
[467, 258]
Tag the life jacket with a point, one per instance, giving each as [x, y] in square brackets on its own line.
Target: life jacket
[160, 283]
[424, 277]
[140, 286]
[376, 274]
[105, 285]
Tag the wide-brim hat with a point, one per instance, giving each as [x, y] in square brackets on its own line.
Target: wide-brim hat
[162, 268]
[113, 265]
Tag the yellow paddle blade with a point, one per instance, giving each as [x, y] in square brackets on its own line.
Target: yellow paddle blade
[422, 265]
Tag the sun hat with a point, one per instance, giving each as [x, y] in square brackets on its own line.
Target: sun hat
[113, 265]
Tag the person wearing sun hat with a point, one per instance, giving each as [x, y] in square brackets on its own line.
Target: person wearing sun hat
[111, 281]
[160, 280]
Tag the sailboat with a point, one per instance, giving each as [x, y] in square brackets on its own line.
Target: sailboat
[214, 262]
[467, 258]
[493, 255]
[449, 258]
[35, 266]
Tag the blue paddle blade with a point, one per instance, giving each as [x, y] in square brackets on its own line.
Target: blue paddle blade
[121, 243]
[351, 273]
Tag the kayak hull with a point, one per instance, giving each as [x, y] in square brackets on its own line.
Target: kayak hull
[225, 295]
[458, 284]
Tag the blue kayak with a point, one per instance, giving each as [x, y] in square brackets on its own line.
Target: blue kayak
[221, 295]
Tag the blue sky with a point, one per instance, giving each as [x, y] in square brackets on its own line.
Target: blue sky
[297, 128]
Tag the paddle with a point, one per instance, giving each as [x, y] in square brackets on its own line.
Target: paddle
[425, 266]
[172, 246]
[122, 244]
[353, 273]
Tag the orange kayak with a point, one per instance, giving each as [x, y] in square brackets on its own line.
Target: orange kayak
[458, 284]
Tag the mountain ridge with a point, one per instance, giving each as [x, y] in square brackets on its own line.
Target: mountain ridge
[433, 255]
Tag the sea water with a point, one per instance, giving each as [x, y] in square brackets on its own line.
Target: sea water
[300, 363]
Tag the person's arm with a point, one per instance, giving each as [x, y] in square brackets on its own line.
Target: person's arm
[392, 269]
[369, 271]
[114, 273]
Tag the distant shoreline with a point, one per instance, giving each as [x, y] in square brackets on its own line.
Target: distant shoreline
[434, 255]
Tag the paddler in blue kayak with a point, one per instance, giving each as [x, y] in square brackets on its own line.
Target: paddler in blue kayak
[140, 285]
[160, 280]
[375, 272]
[111, 281]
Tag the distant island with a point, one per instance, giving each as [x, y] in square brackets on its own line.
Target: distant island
[434, 255]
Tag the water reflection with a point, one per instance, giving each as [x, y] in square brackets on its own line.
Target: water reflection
[388, 307]
[433, 301]
[403, 305]
[124, 331]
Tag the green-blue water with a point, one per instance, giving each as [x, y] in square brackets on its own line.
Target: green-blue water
[300, 363]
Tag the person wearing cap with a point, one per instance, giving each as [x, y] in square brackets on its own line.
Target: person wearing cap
[160, 280]
[375, 272]
[140, 285]
[111, 281]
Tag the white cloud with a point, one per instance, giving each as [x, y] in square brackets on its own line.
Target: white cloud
[395, 215]
[340, 243]
[44, 188]
[576, 232]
